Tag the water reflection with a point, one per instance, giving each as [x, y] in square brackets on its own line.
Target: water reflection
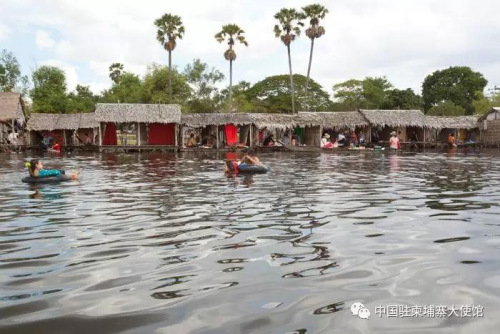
[173, 234]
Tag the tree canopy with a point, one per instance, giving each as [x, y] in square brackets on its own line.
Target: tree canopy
[458, 85]
[49, 92]
[273, 94]
[10, 74]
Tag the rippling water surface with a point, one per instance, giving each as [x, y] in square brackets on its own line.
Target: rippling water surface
[164, 243]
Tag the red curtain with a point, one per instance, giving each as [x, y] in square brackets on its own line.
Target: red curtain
[110, 135]
[231, 134]
[161, 134]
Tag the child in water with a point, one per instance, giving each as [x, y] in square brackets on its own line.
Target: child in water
[36, 170]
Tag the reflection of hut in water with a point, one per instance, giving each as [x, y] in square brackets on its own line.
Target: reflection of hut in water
[404, 122]
[129, 124]
[464, 128]
[315, 124]
[489, 125]
[11, 109]
[64, 129]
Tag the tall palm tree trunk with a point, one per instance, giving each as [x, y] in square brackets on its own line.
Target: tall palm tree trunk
[291, 78]
[230, 85]
[170, 76]
[309, 72]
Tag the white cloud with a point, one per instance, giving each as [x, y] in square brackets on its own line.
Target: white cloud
[4, 32]
[43, 39]
[404, 40]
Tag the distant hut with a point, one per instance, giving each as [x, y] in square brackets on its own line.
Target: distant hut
[12, 112]
[130, 124]
[464, 128]
[489, 125]
[404, 122]
[230, 128]
[43, 129]
[315, 124]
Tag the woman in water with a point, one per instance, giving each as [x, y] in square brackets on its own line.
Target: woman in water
[36, 170]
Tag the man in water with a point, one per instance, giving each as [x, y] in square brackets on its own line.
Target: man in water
[248, 159]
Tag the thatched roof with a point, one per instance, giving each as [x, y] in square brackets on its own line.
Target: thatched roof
[42, 122]
[395, 118]
[88, 121]
[48, 122]
[135, 112]
[493, 110]
[9, 106]
[332, 120]
[451, 122]
[203, 119]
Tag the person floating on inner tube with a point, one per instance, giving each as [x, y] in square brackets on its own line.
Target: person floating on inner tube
[36, 170]
[248, 159]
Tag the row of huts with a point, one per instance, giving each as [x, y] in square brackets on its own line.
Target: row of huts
[153, 125]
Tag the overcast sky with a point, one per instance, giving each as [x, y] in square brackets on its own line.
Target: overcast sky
[405, 40]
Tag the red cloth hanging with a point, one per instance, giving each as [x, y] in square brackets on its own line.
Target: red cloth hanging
[231, 134]
[110, 135]
[231, 156]
[161, 134]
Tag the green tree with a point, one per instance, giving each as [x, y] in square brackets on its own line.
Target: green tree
[370, 93]
[10, 74]
[81, 100]
[402, 99]
[170, 29]
[241, 101]
[129, 89]
[458, 85]
[314, 13]
[155, 83]
[203, 81]
[115, 71]
[288, 27]
[446, 108]
[49, 92]
[272, 94]
[231, 32]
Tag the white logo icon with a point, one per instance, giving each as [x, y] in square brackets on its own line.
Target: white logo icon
[360, 310]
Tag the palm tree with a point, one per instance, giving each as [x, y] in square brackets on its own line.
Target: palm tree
[169, 29]
[231, 32]
[313, 12]
[287, 29]
[115, 71]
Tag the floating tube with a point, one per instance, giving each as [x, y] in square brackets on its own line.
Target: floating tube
[252, 169]
[49, 179]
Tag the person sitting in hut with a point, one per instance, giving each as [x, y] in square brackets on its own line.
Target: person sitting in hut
[212, 141]
[362, 139]
[354, 138]
[269, 140]
[325, 141]
[293, 142]
[451, 141]
[285, 140]
[394, 141]
[341, 139]
[192, 141]
[36, 170]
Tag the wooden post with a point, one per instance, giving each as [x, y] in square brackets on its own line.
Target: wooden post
[100, 134]
[217, 137]
[65, 142]
[250, 135]
[176, 133]
[320, 135]
[138, 134]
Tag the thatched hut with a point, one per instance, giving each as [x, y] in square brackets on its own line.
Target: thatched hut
[464, 128]
[318, 123]
[12, 111]
[138, 124]
[489, 125]
[404, 122]
[61, 128]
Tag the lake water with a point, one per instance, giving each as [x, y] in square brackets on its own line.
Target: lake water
[165, 243]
